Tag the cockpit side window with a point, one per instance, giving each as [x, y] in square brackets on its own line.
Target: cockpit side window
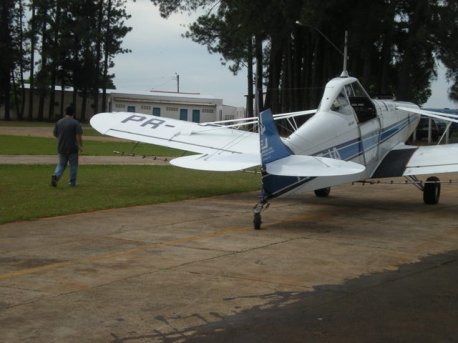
[341, 104]
[361, 103]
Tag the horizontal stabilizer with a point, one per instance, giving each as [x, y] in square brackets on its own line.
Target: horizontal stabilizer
[300, 165]
[224, 162]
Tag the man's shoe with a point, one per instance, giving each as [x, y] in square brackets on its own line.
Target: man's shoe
[54, 181]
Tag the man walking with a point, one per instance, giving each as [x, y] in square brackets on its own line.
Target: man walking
[69, 133]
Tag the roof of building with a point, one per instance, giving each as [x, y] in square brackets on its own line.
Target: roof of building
[193, 97]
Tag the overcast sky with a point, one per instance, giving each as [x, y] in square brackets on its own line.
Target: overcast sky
[159, 53]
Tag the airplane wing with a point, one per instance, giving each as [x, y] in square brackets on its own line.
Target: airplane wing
[221, 148]
[407, 160]
[178, 134]
[433, 159]
[437, 115]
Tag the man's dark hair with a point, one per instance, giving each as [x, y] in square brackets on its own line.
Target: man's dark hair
[70, 110]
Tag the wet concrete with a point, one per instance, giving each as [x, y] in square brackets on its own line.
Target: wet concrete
[370, 263]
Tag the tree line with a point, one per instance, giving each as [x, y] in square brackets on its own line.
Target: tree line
[290, 48]
[65, 43]
[393, 45]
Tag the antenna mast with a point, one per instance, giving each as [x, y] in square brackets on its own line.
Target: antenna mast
[345, 71]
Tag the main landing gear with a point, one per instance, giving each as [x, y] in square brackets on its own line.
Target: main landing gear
[431, 188]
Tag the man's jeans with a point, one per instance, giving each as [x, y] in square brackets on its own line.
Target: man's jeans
[72, 160]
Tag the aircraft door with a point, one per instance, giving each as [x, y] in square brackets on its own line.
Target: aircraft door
[370, 139]
[368, 121]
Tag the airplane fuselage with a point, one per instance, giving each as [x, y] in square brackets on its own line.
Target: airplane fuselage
[350, 126]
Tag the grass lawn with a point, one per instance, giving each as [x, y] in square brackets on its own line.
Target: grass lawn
[25, 191]
[19, 145]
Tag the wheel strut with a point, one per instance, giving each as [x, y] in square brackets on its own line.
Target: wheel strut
[257, 209]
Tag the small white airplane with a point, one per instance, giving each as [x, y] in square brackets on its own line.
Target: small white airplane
[350, 137]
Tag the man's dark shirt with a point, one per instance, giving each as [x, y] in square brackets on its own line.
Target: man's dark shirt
[66, 130]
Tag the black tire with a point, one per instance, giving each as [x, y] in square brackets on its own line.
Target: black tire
[432, 191]
[322, 192]
[257, 221]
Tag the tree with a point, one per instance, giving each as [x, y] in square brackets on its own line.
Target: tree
[393, 54]
[31, 34]
[7, 54]
[77, 42]
[113, 31]
[21, 59]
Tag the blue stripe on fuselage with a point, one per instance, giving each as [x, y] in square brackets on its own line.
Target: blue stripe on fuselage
[355, 147]
[274, 185]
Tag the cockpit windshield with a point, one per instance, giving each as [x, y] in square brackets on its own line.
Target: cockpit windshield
[355, 89]
[360, 101]
[341, 104]
[348, 97]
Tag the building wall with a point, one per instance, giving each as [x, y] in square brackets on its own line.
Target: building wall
[202, 112]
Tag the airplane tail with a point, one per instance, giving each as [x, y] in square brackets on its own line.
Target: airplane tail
[272, 147]
[283, 170]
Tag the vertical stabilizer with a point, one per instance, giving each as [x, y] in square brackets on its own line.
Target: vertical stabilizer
[272, 147]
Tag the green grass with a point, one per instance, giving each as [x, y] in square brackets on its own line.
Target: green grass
[25, 191]
[87, 128]
[19, 145]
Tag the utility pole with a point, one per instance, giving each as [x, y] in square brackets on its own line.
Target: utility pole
[178, 82]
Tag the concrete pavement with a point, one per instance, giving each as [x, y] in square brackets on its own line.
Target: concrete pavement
[85, 160]
[370, 263]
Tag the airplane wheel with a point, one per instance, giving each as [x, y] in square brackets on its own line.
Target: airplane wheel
[432, 191]
[322, 192]
[257, 221]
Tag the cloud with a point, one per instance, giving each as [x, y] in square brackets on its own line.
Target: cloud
[159, 52]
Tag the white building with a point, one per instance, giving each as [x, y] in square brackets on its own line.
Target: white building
[184, 106]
